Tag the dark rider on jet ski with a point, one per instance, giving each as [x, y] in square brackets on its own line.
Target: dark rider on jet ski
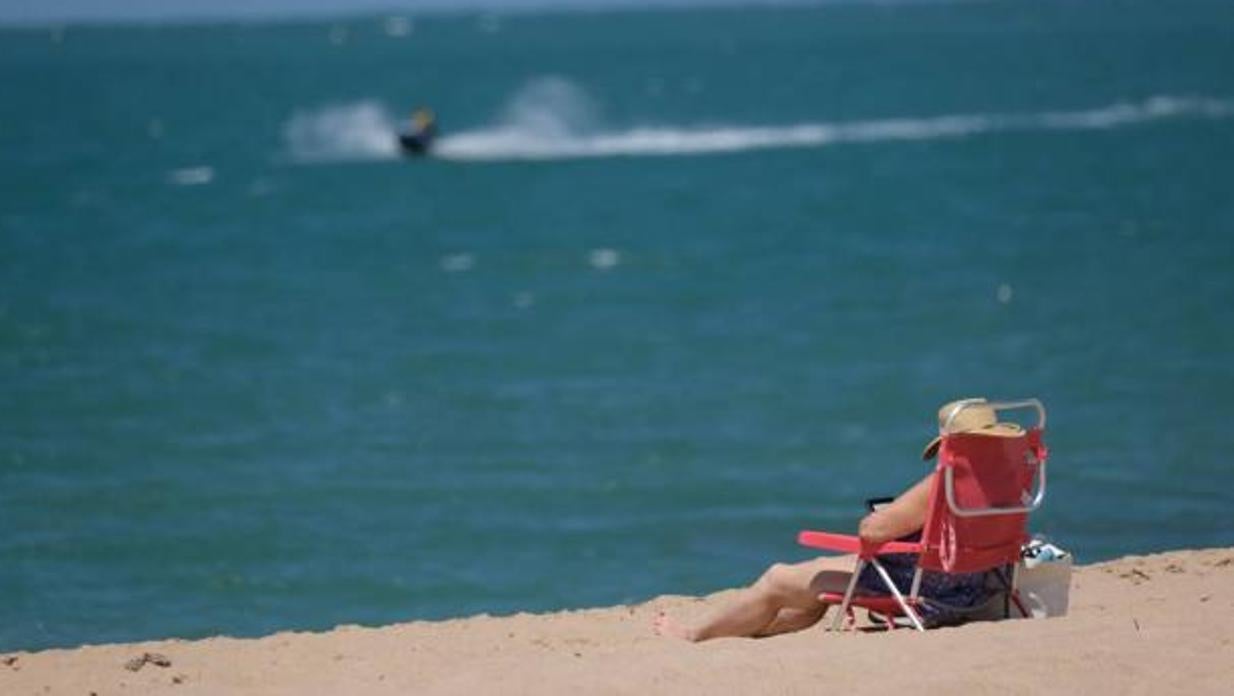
[421, 129]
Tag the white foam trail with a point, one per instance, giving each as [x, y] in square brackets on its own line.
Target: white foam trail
[359, 131]
[537, 131]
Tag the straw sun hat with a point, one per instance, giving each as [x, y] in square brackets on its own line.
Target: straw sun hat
[971, 416]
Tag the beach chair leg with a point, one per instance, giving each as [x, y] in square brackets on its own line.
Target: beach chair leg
[848, 595]
[1015, 598]
[876, 619]
[895, 591]
[1014, 592]
[1011, 596]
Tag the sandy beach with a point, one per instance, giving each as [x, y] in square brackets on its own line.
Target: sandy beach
[1161, 623]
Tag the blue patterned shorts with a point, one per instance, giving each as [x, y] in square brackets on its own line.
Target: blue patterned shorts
[946, 595]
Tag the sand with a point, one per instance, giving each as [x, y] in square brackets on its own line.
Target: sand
[1144, 624]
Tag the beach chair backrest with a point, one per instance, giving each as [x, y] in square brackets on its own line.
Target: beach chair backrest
[984, 487]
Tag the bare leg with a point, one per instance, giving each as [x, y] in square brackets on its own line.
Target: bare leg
[757, 609]
[789, 620]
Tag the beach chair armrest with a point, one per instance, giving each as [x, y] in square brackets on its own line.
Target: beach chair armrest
[848, 543]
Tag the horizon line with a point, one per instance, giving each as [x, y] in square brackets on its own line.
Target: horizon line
[430, 8]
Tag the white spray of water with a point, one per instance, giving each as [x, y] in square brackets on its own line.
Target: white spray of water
[546, 119]
[359, 131]
[551, 118]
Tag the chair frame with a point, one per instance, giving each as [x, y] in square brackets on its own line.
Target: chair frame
[867, 553]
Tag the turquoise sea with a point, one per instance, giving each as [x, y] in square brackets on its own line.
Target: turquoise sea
[679, 284]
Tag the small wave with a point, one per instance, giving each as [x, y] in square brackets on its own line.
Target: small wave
[191, 176]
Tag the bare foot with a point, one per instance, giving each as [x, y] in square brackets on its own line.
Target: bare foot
[665, 626]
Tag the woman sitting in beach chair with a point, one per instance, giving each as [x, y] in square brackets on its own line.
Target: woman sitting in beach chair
[926, 556]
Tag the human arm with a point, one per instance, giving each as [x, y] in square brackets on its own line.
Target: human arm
[904, 515]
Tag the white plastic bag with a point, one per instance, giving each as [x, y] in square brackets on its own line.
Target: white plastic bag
[1044, 579]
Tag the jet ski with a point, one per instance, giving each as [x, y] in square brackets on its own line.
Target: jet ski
[417, 140]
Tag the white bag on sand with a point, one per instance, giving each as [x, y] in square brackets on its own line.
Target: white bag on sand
[1044, 579]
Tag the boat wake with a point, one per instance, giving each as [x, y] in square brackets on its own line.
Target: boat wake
[552, 119]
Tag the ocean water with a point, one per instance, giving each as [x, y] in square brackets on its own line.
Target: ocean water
[678, 285]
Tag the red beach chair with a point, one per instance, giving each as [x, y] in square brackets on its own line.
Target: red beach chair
[976, 520]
